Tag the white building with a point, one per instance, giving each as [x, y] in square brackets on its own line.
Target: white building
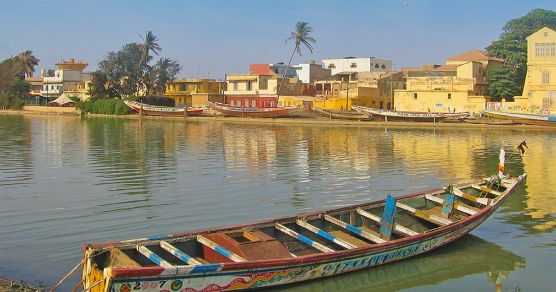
[352, 64]
[69, 77]
[307, 73]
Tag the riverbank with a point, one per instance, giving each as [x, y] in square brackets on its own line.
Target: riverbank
[299, 119]
[7, 285]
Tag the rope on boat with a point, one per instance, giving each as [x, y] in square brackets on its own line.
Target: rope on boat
[53, 288]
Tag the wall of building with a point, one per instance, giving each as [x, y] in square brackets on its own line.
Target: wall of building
[357, 65]
[438, 101]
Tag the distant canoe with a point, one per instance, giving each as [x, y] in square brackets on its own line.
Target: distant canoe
[253, 112]
[489, 121]
[155, 110]
[527, 119]
[342, 115]
[297, 248]
[380, 114]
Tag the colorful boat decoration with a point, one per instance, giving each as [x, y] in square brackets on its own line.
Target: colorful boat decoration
[155, 110]
[298, 248]
[253, 112]
[526, 119]
[342, 115]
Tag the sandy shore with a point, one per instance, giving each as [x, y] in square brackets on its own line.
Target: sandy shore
[7, 285]
[303, 119]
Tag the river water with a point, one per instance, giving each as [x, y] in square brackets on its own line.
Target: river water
[66, 181]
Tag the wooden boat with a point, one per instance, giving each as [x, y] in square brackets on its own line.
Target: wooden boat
[489, 121]
[253, 112]
[526, 119]
[380, 114]
[155, 110]
[298, 248]
[342, 115]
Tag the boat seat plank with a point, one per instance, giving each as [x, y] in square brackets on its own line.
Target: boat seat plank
[220, 249]
[302, 238]
[457, 205]
[119, 259]
[153, 256]
[349, 238]
[367, 235]
[325, 234]
[461, 194]
[421, 214]
[486, 190]
[397, 227]
[178, 253]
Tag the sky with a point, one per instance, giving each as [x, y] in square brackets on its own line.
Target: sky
[212, 38]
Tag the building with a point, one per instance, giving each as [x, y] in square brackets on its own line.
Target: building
[69, 79]
[258, 90]
[35, 97]
[539, 91]
[306, 73]
[458, 86]
[195, 92]
[353, 64]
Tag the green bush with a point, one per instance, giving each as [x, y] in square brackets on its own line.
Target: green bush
[153, 100]
[105, 106]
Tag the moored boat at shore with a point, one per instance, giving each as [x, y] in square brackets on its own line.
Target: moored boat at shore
[526, 119]
[253, 112]
[382, 114]
[155, 110]
[297, 248]
[342, 115]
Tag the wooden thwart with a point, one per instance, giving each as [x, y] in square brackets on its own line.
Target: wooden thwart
[425, 215]
[461, 194]
[302, 238]
[153, 257]
[397, 227]
[178, 253]
[220, 249]
[486, 190]
[458, 206]
[353, 229]
[325, 234]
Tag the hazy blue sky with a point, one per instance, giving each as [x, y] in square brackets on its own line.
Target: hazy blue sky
[211, 38]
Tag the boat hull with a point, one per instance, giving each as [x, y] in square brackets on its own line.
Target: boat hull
[387, 115]
[251, 112]
[150, 110]
[525, 119]
[342, 115]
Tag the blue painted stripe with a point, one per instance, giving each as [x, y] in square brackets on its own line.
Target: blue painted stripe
[326, 235]
[552, 119]
[304, 239]
[223, 251]
[354, 229]
[153, 257]
[184, 257]
[206, 268]
[157, 237]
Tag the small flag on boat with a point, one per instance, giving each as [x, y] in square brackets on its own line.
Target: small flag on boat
[501, 163]
[520, 147]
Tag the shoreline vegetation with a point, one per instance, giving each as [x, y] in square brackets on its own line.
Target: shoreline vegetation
[299, 119]
[8, 285]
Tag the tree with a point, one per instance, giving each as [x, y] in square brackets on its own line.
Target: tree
[512, 44]
[300, 36]
[149, 45]
[503, 83]
[165, 70]
[13, 87]
[28, 62]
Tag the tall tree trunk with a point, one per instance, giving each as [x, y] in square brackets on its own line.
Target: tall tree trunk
[284, 77]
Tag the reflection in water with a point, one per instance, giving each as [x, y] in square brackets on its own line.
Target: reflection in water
[66, 180]
[467, 256]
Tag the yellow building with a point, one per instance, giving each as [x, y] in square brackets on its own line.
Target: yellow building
[195, 92]
[539, 91]
[458, 86]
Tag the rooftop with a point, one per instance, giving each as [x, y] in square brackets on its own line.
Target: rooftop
[474, 55]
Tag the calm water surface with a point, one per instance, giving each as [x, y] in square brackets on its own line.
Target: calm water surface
[65, 181]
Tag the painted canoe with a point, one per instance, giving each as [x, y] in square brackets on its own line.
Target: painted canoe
[154, 110]
[298, 248]
[342, 115]
[253, 112]
[526, 119]
[381, 114]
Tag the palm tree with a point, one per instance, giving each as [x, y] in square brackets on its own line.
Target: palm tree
[149, 45]
[28, 62]
[299, 36]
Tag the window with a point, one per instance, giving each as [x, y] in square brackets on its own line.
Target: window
[249, 86]
[182, 87]
[331, 66]
[253, 102]
[376, 65]
[381, 104]
[235, 86]
[545, 77]
[383, 66]
[353, 65]
[415, 96]
[449, 96]
[271, 103]
[545, 49]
